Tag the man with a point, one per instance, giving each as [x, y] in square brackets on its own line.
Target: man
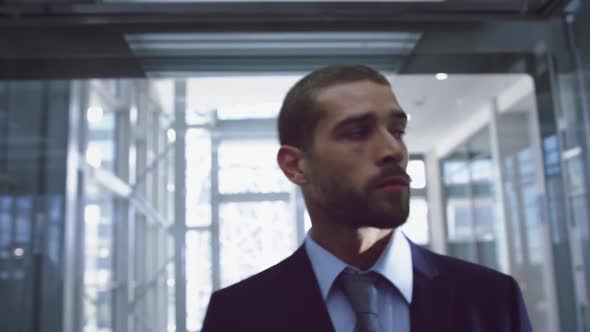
[341, 131]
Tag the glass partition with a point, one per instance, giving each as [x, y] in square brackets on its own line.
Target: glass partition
[137, 142]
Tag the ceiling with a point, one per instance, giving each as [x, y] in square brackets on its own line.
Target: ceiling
[439, 110]
[443, 112]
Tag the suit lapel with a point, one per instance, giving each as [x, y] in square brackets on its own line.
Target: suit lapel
[305, 307]
[431, 305]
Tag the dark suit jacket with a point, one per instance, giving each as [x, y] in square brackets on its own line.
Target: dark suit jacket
[448, 295]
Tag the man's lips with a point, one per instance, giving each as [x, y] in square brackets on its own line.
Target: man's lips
[394, 183]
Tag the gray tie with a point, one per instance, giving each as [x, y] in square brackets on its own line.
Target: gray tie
[360, 290]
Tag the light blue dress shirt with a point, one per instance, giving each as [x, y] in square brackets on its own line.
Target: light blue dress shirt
[394, 289]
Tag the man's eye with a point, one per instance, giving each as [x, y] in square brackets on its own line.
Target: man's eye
[398, 133]
[358, 133]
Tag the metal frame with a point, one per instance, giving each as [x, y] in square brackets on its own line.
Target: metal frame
[247, 12]
[180, 205]
[73, 263]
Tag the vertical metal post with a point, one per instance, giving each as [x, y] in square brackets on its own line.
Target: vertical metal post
[502, 218]
[74, 212]
[120, 308]
[215, 240]
[131, 213]
[436, 214]
[180, 204]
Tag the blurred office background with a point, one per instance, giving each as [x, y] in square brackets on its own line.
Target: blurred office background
[138, 141]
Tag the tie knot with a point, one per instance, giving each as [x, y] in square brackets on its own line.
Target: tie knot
[359, 288]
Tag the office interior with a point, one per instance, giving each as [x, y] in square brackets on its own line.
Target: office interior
[138, 142]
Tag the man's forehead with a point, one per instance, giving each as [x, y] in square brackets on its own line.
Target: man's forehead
[355, 88]
[344, 103]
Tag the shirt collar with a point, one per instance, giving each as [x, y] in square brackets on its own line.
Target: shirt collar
[394, 264]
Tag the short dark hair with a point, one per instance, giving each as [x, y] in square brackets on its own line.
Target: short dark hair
[299, 113]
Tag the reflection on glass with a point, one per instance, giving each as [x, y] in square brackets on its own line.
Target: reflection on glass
[198, 277]
[198, 179]
[416, 227]
[473, 231]
[171, 325]
[24, 217]
[101, 135]
[417, 173]
[250, 166]
[251, 97]
[5, 227]
[98, 261]
[455, 172]
[254, 236]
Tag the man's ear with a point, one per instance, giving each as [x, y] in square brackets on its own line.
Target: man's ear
[292, 162]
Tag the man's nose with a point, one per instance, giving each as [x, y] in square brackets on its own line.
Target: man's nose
[391, 149]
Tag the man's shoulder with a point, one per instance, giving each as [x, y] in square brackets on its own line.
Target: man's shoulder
[460, 270]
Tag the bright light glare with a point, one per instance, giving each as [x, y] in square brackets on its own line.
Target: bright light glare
[104, 252]
[417, 173]
[133, 114]
[18, 252]
[92, 214]
[93, 156]
[416, 227]
[94, 114]
[171, 135]
[170, 187]
[441, 76]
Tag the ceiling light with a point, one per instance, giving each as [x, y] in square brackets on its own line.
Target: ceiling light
[94, 114]
[104, 252]
[441, 76]
[92, 214]
[18, 252]
[171, 135]
[94, 156]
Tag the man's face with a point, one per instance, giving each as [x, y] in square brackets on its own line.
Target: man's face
[358, 157]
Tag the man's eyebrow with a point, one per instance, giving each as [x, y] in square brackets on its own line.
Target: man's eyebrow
[366, 117]
[396, 114]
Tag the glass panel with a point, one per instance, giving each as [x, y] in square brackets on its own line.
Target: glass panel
[198, 178]
[252, 97]
[100, 118]
[170, 282]
[198, 277]
[416, 227]
[527, 235]
[98, 260]
[5, 231]
[417, 173]
[474, 232]
[250, 166]
[253, 237]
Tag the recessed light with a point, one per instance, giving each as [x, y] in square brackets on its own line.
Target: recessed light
[441, 76]
[94, 114]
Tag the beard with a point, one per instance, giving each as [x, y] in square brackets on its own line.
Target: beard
[364, 207]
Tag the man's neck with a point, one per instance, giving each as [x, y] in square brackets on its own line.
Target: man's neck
[357, 247]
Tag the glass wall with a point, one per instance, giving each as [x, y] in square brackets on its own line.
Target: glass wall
[125, 184]
[137, 148]
[470, 202]
[32, 164]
